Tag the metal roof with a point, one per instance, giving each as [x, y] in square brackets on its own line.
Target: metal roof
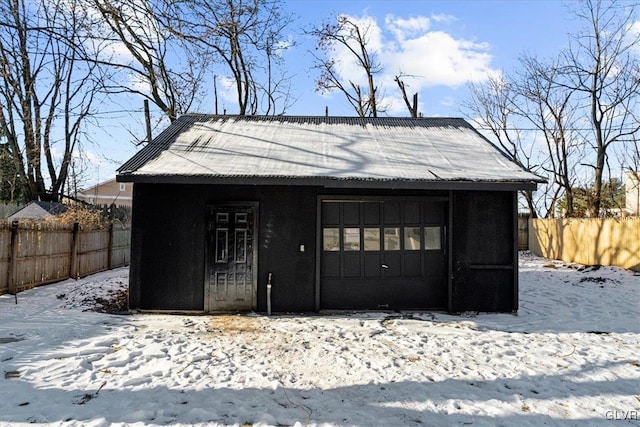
[322, 148]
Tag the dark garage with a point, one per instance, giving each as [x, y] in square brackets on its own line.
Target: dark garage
[344, 213]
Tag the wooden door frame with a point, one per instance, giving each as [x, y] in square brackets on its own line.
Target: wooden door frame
[254, 273]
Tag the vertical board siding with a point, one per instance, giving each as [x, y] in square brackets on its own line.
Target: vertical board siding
[5, 254]
[120, 250]
[484, 259]
[588, 241]
[43, 253]
[93, 251]
[523, 232]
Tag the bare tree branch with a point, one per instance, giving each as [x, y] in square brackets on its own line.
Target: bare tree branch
[347, 34]
[173, 85]
[492, 105]
[247, 36]
[412, 107]
[46, 91]
[601, 66]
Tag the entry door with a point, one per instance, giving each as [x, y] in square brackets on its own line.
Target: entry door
[230, 283]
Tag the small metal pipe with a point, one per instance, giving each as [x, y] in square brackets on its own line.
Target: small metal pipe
[269, 295]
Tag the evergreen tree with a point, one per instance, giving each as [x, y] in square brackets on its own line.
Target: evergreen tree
[10, 188]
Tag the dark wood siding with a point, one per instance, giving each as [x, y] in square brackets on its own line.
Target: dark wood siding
[168, 244]
[484, 263]
[168, 247]
[288, 221]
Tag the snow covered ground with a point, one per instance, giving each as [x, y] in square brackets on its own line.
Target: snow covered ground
[570, 357]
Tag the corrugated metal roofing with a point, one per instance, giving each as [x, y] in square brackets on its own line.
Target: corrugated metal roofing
[345, 148]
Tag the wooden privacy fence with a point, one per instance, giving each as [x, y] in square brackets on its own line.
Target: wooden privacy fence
[33, 254]
[523, 232]
[590, 241]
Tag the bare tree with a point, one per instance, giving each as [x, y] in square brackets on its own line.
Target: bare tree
[585, 101]
[412, 106]
[493, 105]
[347, 34]
[276, 90]
[46, 91]
[601, 66]
[549, 108]
[247, 36]
[157, 65]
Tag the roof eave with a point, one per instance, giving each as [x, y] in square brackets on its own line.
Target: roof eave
[331, 182]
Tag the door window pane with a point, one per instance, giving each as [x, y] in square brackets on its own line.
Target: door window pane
[222, 247]
[392, 239]
[351, 239]
[412, 238]
[241, 246]
[331, 239]
[432, 238]
[371, 239]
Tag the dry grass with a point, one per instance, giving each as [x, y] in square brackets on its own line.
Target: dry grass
[236, 324]
[87, 218]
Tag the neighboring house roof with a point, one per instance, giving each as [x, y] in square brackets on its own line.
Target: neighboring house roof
[321, 150]
[39, 210]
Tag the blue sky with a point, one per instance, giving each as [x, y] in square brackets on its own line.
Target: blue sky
[500, 31]
[444, 44]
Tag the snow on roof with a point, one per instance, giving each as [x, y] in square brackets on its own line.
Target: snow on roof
[378, 149]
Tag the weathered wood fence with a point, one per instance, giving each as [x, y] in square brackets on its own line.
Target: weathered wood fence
[33, 254]
[589, 241]
[523, 232]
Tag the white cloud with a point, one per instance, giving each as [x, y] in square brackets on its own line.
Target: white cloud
[428, 57]
[439, 59]
[138, 20]
[117, 52]
[401, 28]
[227, 94]
[138, 83]
[444, 18]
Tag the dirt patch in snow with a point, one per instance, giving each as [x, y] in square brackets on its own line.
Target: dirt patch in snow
[235, 324]
[112, 301]
[117, 301]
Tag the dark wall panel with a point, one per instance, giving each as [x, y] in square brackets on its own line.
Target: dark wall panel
[168, 244]
[486, 291]
[137, 236]
[288, 220]
[483, 261]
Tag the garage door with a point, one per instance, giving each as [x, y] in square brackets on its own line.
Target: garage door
[386, 254]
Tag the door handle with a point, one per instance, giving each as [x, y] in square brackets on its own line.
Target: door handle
[384, 266]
